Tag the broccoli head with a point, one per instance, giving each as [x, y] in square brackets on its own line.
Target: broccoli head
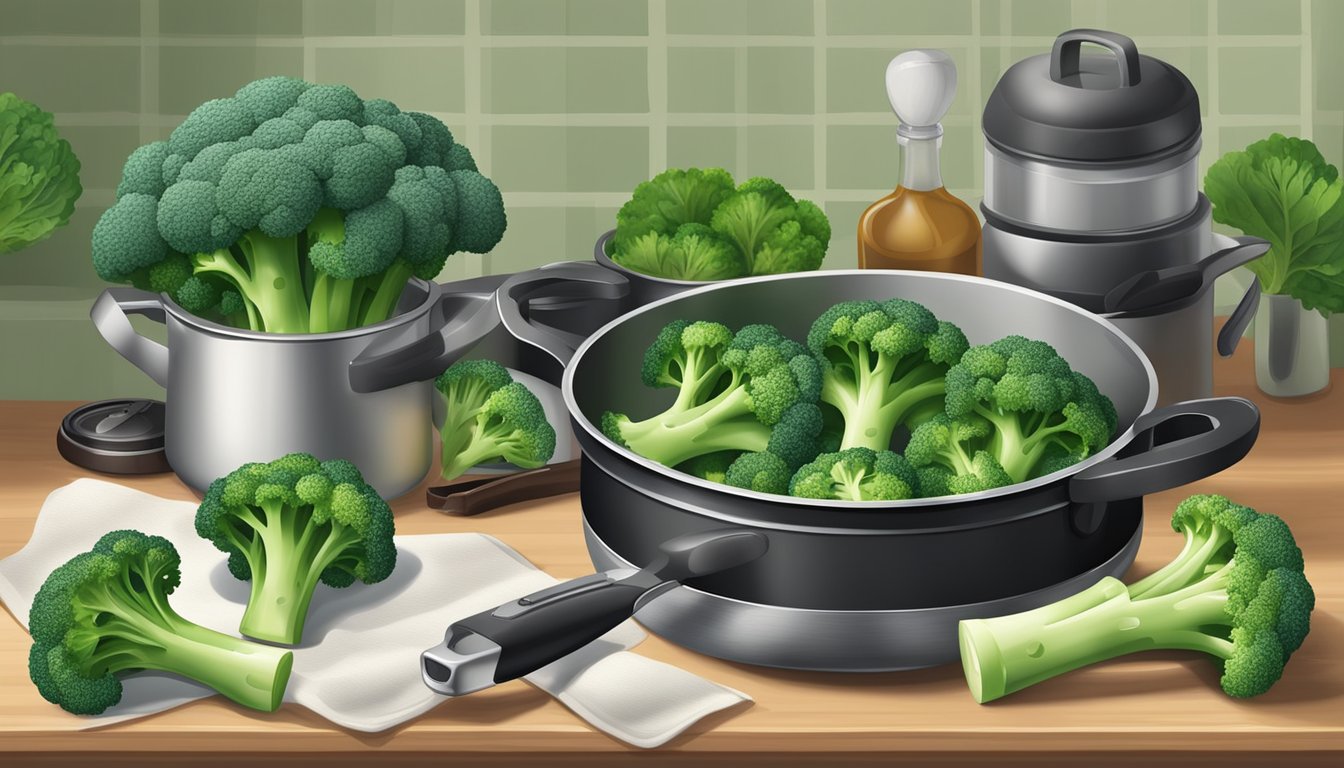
[39, 175]
[734, 392]
[105, 613]
[694, 253]
[774, 232]
[883, 366]
[856, 474]
[290, 523]
[490, 417]
[711, 466]
[1236, 592]
[946, 457]
[1020, 401]
[670, 199]
[306, 205]
[762, 471]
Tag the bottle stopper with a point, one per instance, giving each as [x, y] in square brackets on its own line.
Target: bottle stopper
[920, 85]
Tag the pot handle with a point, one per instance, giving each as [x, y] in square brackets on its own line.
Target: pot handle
[1240, 319]
[463, 314]
[1176, 445]
[520, 637]
[109, 315]
[1065, 55]
[547, 349]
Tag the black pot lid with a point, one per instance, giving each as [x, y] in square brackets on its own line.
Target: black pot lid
[1117, 106]
[115, 436]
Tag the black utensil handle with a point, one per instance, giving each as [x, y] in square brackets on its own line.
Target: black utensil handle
[551, 347]
[1065, 55]
[1189, 441]
[1240, 319]
[482, 493]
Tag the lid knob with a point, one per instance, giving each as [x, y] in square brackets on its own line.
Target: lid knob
[920, 85]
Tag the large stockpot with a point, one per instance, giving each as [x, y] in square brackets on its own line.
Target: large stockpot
[809, 584]
[1093, 143]
[236, 396]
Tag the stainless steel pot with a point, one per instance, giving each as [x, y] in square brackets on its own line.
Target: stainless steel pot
[812, 584]
[1092, 143]
[236, 396]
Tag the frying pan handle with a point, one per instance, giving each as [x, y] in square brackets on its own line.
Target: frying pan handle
[520, 637]
[548, 349]
[1179, 444]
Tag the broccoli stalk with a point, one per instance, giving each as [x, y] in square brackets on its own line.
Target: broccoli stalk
[105, 613]
[751, 391]
[1236, 592]
[289, 524]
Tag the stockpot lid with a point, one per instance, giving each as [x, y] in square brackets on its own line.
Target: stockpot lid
[1092, 108]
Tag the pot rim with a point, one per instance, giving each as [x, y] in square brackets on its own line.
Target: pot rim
[1115, 446]
[202, 325]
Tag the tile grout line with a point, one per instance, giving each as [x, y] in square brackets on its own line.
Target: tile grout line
[478, 136]
[977, 102]
[740, 117]
[658, 66]
[818, 122]
[1305, 72]
[149, 71]
[1212, 124]
[309, 11]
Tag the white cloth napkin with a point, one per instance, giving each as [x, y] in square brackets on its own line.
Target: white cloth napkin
[360, 663]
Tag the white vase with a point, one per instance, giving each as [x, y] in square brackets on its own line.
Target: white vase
[1292, 348]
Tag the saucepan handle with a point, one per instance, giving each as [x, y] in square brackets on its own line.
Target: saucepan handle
[546, 350]
[522, 636]
[110, 316]
[1180, 443]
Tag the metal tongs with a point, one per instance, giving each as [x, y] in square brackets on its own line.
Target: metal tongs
[473, 494]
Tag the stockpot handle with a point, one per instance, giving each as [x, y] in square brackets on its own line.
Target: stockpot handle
[453, 330]
[1065, 57]
[1177, 444]
[522, 636]
[603, 290]
[110, 316]
[1240, 319]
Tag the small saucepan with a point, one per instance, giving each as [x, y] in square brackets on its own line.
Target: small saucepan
[830, 585]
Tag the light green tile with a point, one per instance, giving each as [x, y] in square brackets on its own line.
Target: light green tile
[696, 147]
[781, 152]
[383, 73]
[70, 17]
[189, 75]
[534, 237]
[961, 152]
[61, 260]
[701, 80]
[607, 80]
[1257, 17]
[1259, 81]
[236, 17]
[991, 17]
[1192, 61]
[862, 157]
[527, 159]
[560, 17]
[74, 78]
[378, 17]
[856, 81]
[1157, 17]
[582, 228]
[523, 80]
[993, 63]
[1040, 17]
[1329, 139]
[844, 250]
[779, 81]
[908, 17]
[1327, 55]
[740, 17]
[1235, 138]
[101, 151]
[606, 159]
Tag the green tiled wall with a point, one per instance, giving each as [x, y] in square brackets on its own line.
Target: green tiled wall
[567, 104]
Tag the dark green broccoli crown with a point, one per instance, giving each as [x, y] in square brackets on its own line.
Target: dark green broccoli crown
[856, 474]
[682, 348]
[710, 466]
[472, 374]
[777, 370]
[671, 199]
[763, 472]
[611, 427]
[796, 437]
[848, 334]
[515, 419]
[328, 495]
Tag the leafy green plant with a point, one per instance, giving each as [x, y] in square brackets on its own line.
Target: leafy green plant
[39, 175]
[1283, 190]
[295, 208]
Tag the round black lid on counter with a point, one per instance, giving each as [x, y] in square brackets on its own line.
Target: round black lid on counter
[120, 437]
[1111, 107]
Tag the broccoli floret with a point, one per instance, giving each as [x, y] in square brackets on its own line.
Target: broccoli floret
[311, 206]
[669, 200]
[105, 614]
[733, 392]
[1017, 399]
[1235, 592]
[883, 366]
[711, 466]
[509, 425]
[696, 252]
[290, 523]
[945, 454]
[762, 471]
[774, 232]
[856, 474]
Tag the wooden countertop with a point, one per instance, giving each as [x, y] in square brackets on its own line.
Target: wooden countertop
[1163, 707]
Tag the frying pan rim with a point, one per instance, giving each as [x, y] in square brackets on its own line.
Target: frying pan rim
[1119, 443]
